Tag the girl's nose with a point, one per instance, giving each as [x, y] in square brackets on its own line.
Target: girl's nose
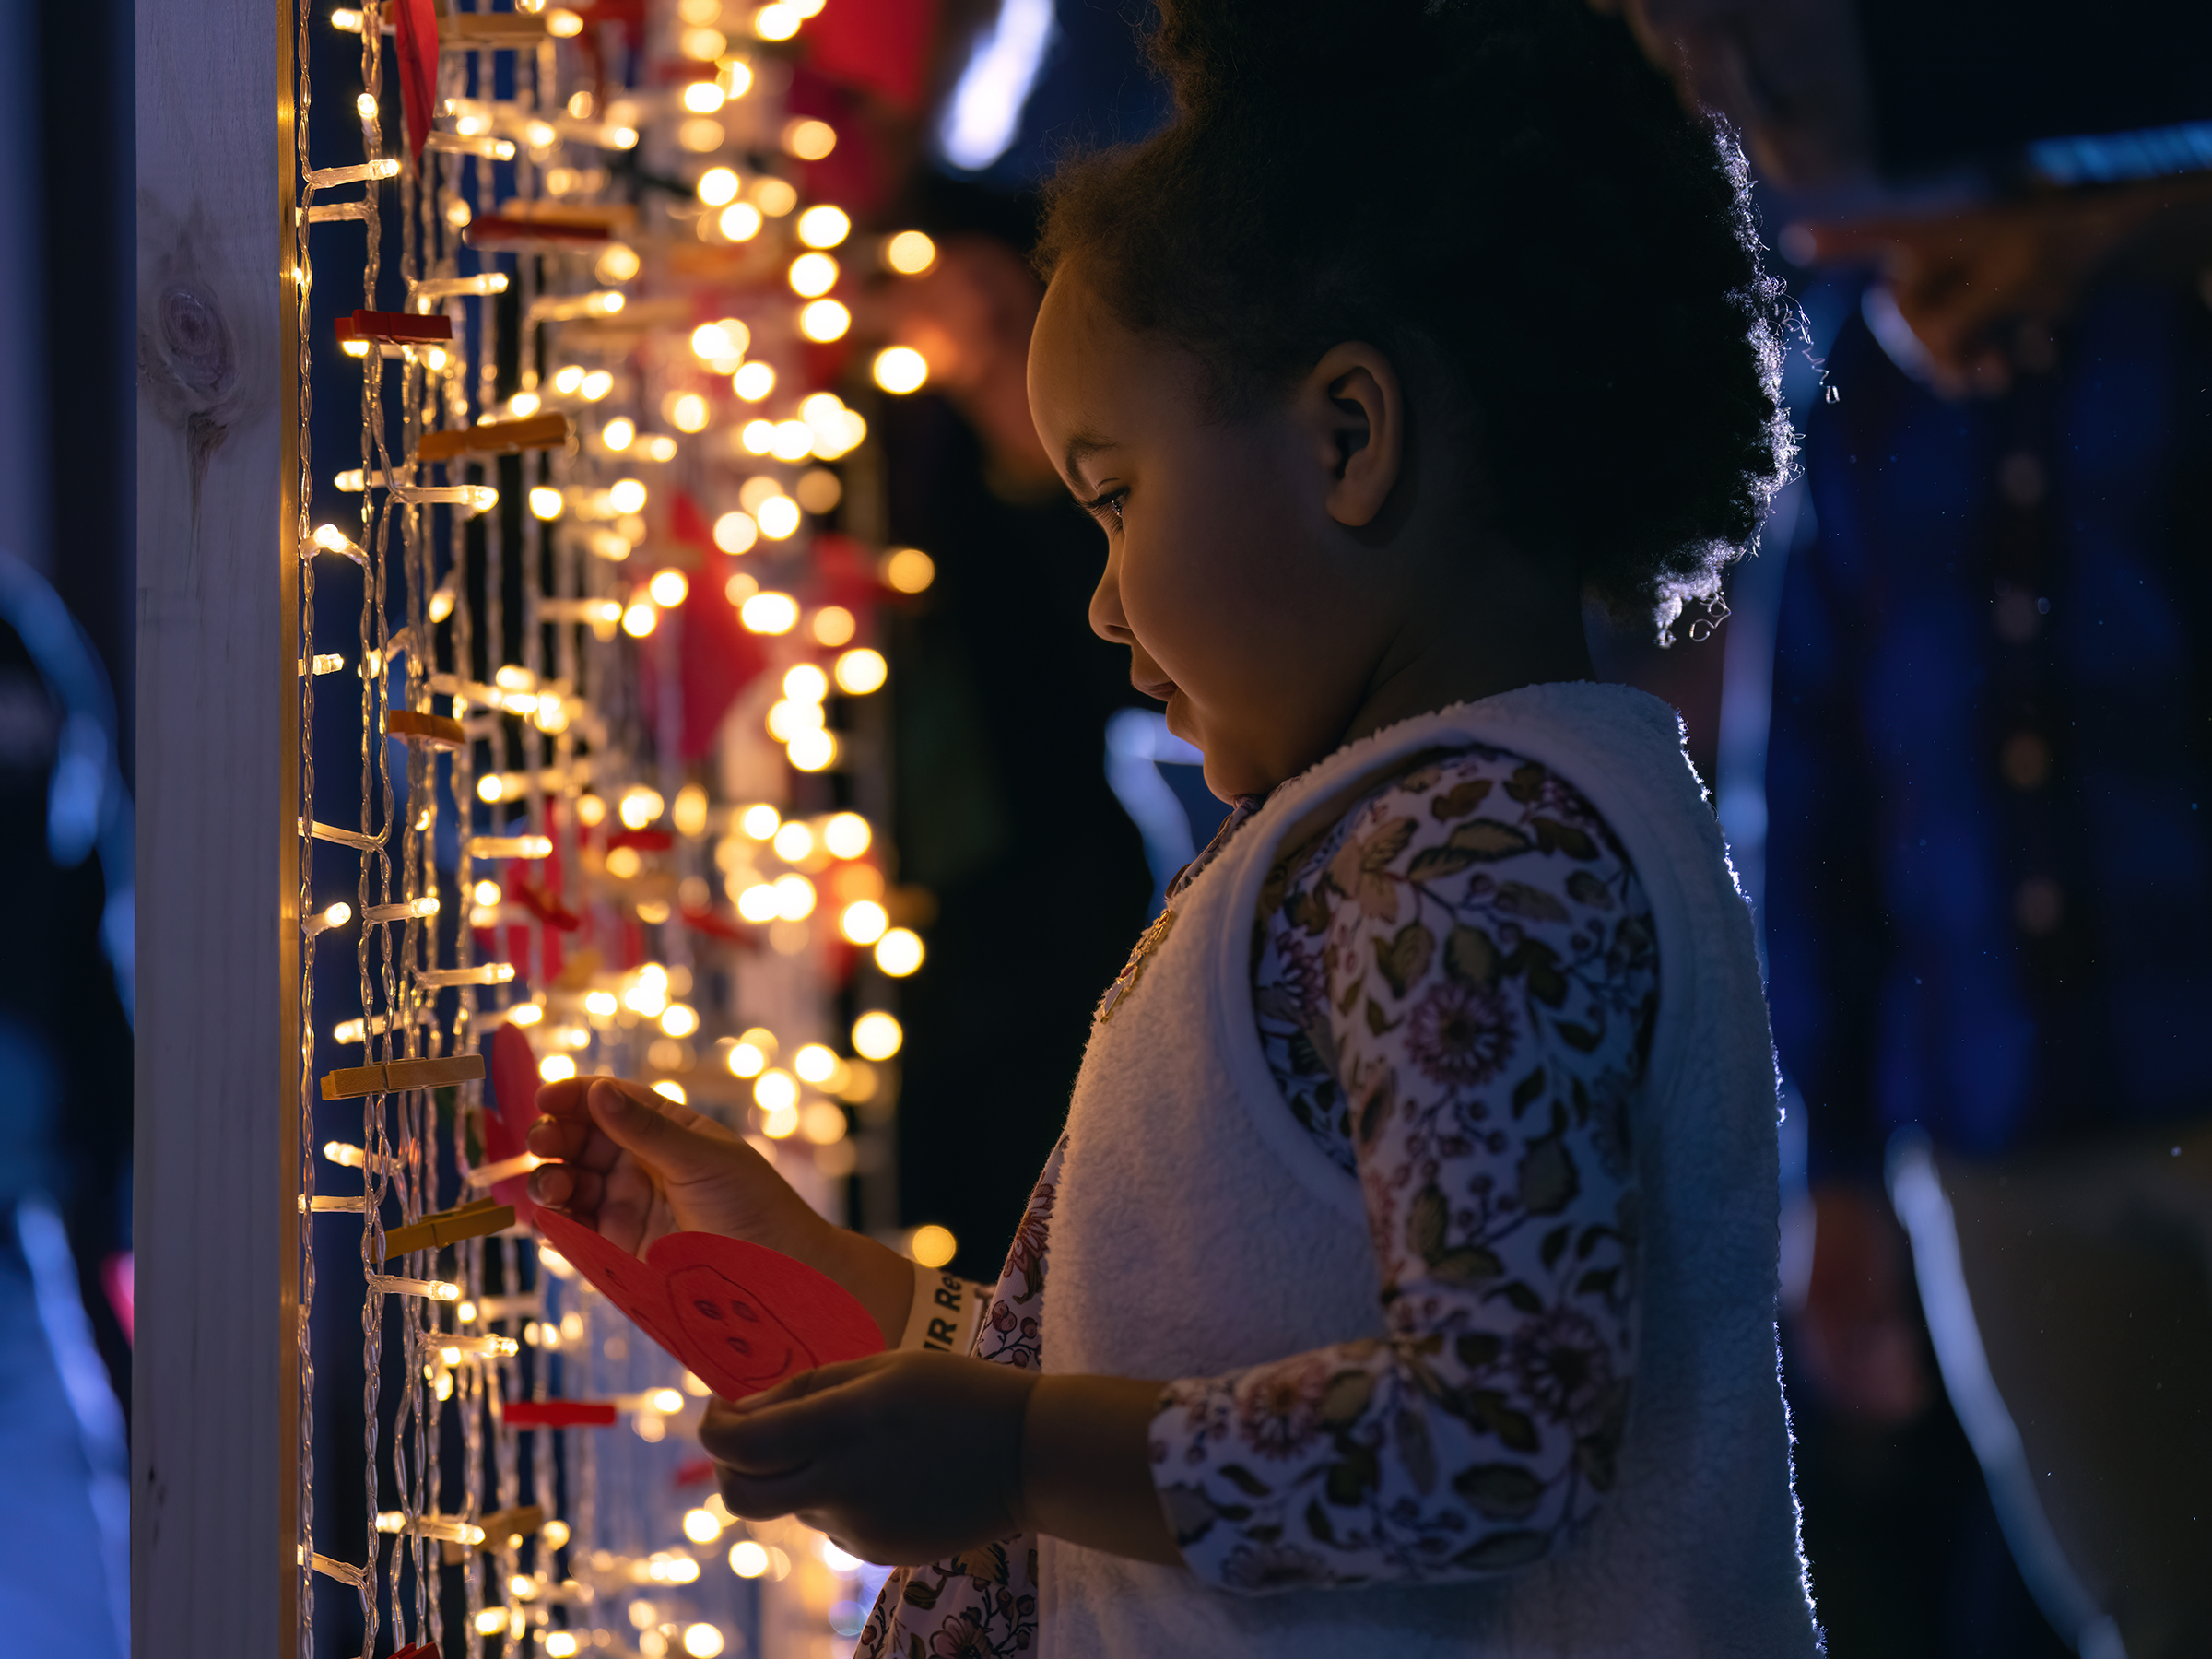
[1106, 619]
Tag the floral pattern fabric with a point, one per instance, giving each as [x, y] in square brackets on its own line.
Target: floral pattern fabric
[1454, 986]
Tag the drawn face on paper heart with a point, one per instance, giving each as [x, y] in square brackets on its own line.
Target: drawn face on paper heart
[634, 1286]
[726, 1319]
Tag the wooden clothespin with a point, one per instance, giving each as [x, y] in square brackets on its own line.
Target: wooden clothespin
[495, 438]
[503, 232]
[503, 1529]
[437, 730]
[471, 1220]
[393, 1077]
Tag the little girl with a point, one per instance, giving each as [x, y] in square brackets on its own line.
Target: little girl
[1403, 1282]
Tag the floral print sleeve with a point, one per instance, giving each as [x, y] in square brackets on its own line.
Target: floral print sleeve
[1456, 987]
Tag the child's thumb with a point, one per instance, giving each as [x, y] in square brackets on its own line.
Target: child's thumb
[637, 1127]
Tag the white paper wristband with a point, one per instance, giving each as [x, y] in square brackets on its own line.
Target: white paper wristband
[946, 1313]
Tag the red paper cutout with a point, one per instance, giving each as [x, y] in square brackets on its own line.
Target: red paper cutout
[416, 34]
[558, 1414]
[513, 1108]
[739, 1317]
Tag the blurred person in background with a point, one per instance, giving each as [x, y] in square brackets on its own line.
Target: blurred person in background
[1988, 867]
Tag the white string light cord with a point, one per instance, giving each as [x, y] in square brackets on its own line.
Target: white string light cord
[550, 437]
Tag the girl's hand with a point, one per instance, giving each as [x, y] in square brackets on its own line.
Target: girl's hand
[637, 1166]
[903, 1458]
[900, 1458]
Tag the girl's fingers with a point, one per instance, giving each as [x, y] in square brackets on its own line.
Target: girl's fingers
[567, 1187]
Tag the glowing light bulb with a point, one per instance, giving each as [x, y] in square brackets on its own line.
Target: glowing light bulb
[557, 1068]
[679, 1019]
[793, 841]
[933, 1246]
[876, 1036]
[365, 106]
[600, 1003]
[687, 412]
[524, 1014]
[808, 140]
[770, 613]
[811, 751]
[668, 588]
[740, 221]
[487, 893]
[846, 835]
[775, 1089]
[824, 225]
[778, 517]
[640, 621]
[567, 378]
[641, 806]
[899, 952]
[624, 862]
[812, 274]
[747, 1559]
[618, 433]
[524, 404]
[628, 495]
[806, 683]
[900, 369]
[703, 45]
[777, 21]
[737, 77]
[822, 321]
[703, 98]
[758, 437]
[492, 1621]
[780, 1123]
[559, 1644]
[735, 532]
[617, 263]
[814, 1063]
[907, 569]
[861, 671]
[596, 385]
[863, 923]
[690, 810]
[701, 1526]
[910, 253]
[702, 1641]
[794, 897]
[590, 809]
[544, 501]
[670, 1090]
[746, 1060]
[752, 383]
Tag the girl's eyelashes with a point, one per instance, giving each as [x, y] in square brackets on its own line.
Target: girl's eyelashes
[1099, 506]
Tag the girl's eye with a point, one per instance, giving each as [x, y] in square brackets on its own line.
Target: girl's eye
[1109, 502]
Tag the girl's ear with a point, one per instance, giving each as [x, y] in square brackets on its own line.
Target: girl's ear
[1353, 408]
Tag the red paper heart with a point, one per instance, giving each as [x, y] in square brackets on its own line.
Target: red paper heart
[739, 1317]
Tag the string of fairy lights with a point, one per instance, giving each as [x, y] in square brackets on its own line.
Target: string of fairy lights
[606, 573]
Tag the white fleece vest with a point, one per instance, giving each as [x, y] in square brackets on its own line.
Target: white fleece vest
[1198, 1229]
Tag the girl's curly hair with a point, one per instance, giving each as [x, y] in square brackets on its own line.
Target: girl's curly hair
[1506, 185]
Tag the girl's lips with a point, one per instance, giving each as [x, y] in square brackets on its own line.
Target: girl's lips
[1162, 689]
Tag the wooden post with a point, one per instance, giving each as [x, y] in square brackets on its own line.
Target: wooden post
[214, 1429]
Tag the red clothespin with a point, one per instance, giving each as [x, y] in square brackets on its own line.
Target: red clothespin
[558, 1414]
[416, 35]
[544, 906]
[417, 1650]
[643, 840]
[401, 328]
